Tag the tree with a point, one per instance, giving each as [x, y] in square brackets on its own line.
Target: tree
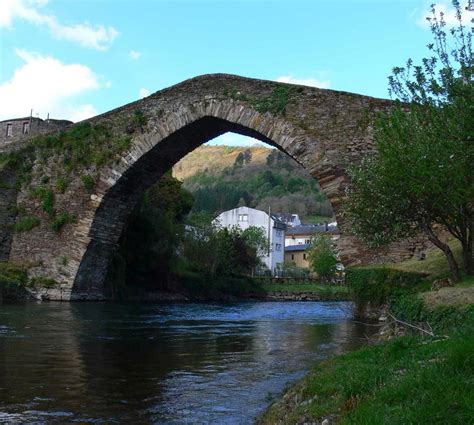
[152, 236]
[216, 251]
[422, 176]
[322, 258]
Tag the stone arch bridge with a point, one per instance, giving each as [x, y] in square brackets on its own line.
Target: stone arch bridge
[77, 188]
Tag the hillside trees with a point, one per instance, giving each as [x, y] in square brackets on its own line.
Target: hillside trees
[422, 175]
[278, 183]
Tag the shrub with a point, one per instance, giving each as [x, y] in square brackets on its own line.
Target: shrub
[48, 203]
[61, 185]
[139, 118]
[24, 224]
[378, 285]
[88, 181]
[12, 273]
[60, 220]
[42, 281]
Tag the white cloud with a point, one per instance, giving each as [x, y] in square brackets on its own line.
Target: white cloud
[87, 35]
[311, 82]
[446, 8]
[143, 93]
[48, 86]
[234, 139]
[133, 54]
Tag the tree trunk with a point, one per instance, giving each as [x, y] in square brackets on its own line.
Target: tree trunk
[467, 256]
[453, 265]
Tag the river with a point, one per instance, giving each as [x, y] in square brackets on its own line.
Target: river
[107, 363]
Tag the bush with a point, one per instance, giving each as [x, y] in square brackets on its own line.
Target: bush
[24, 224]
[378, 285]
[60, 220]
[61, 185]
[88, 181]
[12, 273]
[41, 281]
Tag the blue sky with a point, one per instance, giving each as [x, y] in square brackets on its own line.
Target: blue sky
[77, 58]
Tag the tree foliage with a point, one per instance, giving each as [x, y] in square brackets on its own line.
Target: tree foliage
[422, 174]
[322, 257]
[280, 184]
[150, 241]
[216, 251]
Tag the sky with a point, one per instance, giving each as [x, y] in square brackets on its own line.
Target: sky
[75, 59]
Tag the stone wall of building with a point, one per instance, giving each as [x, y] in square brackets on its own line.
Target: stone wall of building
[324, 130]
[16, 130]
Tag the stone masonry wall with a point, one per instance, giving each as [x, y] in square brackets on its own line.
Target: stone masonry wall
[324, 130]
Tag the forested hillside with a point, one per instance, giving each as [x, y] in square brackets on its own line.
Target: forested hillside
[224, 177]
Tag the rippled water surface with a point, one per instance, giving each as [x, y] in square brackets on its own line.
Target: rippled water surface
[183, 363]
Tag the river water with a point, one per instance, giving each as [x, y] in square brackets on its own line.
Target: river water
[155, 363]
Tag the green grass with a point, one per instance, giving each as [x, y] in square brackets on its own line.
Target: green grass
[409, 380]
[406, 381]
[435, 263]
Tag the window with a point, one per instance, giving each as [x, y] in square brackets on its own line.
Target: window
[243, 217]
[9, 130]
[304, 256]
[278, 233]
[26, 127]
[292, 256]
[278, 247]
[307, 241]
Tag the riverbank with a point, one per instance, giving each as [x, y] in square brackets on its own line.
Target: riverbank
[421, 375]
[15, 285]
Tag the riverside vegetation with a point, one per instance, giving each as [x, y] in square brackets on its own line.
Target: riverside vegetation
[421, 377]
[420, 179]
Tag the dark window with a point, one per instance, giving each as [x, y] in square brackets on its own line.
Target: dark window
[26, 127]
[304, 256]
[292, 256]
[9, 130]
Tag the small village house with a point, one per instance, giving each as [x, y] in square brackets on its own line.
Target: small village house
[298, 255]
[298, 240]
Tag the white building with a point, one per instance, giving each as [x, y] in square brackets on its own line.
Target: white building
[245, 217]
[302, 235]
[291, 220]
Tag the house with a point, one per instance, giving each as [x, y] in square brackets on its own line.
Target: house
[17, 129]
[297, 254]
[302, 235]
[245, 217]
[291, 220]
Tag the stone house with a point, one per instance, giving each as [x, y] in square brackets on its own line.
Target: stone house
[245, 217]
[17, 129]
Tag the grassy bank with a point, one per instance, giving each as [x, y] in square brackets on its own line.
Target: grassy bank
[405, 381]
[413, 379]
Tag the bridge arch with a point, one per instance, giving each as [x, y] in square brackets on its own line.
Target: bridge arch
[323, 130]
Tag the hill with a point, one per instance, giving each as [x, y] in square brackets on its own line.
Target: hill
[224, 177]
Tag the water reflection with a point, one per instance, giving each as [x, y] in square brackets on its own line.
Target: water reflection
[121, 363]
